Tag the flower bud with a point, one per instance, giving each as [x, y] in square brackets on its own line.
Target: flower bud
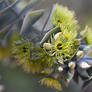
[84, 65]
[57, 35]
[71, 65]
[60, 69]
[79, 53]
[47, 46]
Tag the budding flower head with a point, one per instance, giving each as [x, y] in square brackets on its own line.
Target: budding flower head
[62, 45]
[64, 18]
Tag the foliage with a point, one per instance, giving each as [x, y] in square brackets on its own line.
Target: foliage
[51, 82]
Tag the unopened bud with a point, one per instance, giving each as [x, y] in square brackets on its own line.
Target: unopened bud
[79, 53]
[57, 35]
[84, 65]
[71, 65]
[47, 46]
[60, 69]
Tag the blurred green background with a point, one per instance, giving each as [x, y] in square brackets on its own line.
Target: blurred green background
[14, 79]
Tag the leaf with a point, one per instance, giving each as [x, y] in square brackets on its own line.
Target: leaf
[70, 75]
[51, 82]
[7, 18]
[89, 60]
[49, 34]
[83, 73]
[89, 71]
[76, 77]
[67, 77]
[30, 5]
[64, 80]
[4, 31]
[30, 18]
[13, 16]
[47, 20]
[9, 7]
[10, 37]
[86, 83]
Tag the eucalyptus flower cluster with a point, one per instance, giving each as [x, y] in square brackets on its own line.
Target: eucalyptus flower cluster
[61, 54]
[65, 43]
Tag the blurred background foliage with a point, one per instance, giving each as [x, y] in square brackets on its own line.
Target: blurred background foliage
[14, 79]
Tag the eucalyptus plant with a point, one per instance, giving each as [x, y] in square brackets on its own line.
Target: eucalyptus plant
[58, 55]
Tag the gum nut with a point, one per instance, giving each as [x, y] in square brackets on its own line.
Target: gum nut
[84, 65]
[57, 35]
[79, 53]
[60, 69]
[82, 72]
[47, 46]
[71, 65]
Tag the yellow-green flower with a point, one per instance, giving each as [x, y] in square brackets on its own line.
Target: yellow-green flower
[63, 45]
[62, 48]
[64, 18]
[32, 58]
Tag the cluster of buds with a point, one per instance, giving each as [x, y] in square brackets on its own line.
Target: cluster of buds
[79, 62]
